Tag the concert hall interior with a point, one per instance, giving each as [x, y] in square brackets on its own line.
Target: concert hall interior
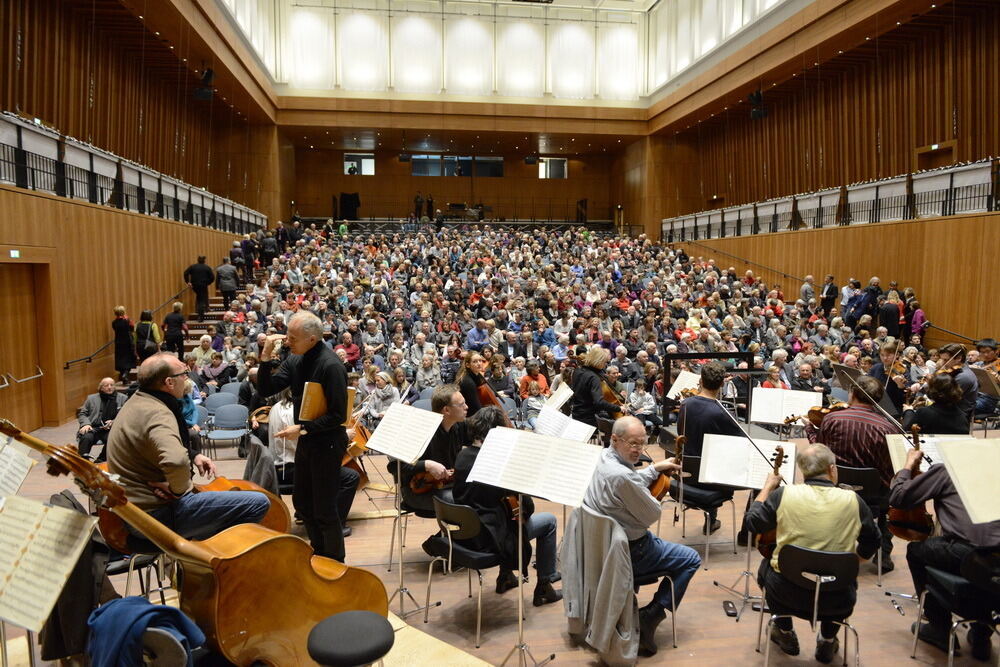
[550, 285]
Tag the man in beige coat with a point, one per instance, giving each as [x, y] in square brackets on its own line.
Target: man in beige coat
[150, 451]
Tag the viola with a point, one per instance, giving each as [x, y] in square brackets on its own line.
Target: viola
[767, 541]
[423, 482]
[661, 485]
[266, 626]
[915, 524]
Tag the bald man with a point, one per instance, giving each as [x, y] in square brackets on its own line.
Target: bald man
[95, 417]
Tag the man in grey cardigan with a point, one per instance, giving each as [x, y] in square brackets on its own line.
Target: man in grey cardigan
[621, 492]
[96, 415]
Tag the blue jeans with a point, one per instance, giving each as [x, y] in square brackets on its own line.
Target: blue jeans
[198, 516]
[651, 554]
[985, 404]
[541, 527]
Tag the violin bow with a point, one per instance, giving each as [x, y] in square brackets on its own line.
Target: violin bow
[885, 413]
[888, 370]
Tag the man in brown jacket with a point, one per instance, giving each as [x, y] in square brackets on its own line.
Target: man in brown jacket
[151, 452]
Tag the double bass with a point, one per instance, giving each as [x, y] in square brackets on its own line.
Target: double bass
[255, 593]
[915, 524]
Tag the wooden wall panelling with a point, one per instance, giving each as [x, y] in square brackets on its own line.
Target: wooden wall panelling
[946, 260]
[100, 258]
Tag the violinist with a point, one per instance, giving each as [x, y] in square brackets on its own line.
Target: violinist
[959, 537]
[954, 364]
[588, 395]
[815, 515]
[987, 348]
[856, 435]
[891, 372]
[940, 412]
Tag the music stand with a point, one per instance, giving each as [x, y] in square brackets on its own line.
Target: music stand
[524, 462]
[403, 435]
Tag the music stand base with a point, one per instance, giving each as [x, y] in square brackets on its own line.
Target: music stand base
[401, 592]
[743, 597]
[525, 658]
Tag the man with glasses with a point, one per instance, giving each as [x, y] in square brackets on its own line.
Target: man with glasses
[621, 492]
[150, 450]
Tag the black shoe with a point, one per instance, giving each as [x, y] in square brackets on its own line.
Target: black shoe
[785, 639]
[826, 649]
[887, 565]
[555, 577]
[545, 594]
[979, 638]
[347, 531]
[716, 525]
[742, 537]
[650, 617]
[937, 637]
[506, 580]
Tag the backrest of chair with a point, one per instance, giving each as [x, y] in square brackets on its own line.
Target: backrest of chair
[867, 478]
[462, 516]
[839, 569]
[231, 388]
[605, 426]
[423, 404]
[692, 464]
[215, 401]
[426, 393]
[202, 415]
[231, 416]
[983, 570]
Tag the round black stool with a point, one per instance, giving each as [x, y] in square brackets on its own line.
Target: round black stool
[350, 638]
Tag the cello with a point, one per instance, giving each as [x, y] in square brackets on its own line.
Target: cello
[267, 626]
[765, 542]
[915, 524]
[611, 395]
[489, 397]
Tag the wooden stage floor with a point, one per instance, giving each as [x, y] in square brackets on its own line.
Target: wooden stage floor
[705, 635]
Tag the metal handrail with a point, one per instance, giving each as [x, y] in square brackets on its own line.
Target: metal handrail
[6, 382]
[90, 357]
[744, 260]
[37, 375]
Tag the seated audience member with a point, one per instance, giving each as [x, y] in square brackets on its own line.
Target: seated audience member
[642, 404]
[814, 515]
[621, 492]
[958, 539]
[152, 453]
[96, 416]
[532, 406]
[494, 512]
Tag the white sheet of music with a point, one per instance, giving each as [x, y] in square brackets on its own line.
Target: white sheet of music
[404, 432]
[39, 547]
[972, 464]
[773, 406]
[537, 465]
[14, 467]
[732, 460]
[552, 422]
[900, 445]
[685, 380]
[558, 398]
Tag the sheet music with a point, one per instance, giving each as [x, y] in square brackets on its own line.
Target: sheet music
[538, 465]
[404, 432]
[732, 460]
[14, 468]
[773, 406]
[39, 546]
[552, 422]
[685, 380]
[972, 464]
[558, 398]
[900, 445]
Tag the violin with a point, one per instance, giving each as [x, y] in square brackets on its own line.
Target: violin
[767, 541]
[915, 524]
[269, 626]
[423, 482]
[816, 414]
[661, 485]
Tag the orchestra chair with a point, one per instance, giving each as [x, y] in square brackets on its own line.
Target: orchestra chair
[351, 638]
[972, 596]
[231, 388]
[604, 427]
[652, 578]
[422, 404]
[458, 522]
[139, 555]
[699, 498]
[425, 394]
[405, 511]
[816, 572]
[868, 485]
[229, 423]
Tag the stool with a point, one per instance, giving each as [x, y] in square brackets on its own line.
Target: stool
[350, 638]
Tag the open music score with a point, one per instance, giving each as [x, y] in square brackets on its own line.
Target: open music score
[773, 406]
[972, 464]
[558, 398]
[39, 547]
[732, 460]
[15, 464]
[685, 380]
[552, 422]
[404, 432]
[538, 465]
[900, 445]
